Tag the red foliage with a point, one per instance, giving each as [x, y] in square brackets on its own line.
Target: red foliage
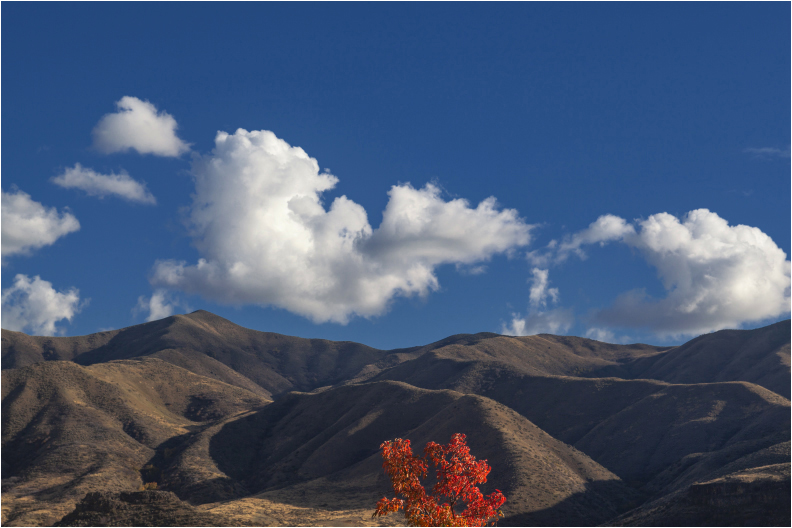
[458, 476]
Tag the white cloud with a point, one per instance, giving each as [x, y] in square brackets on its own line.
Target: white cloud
[101, 185]
[29, 225]
[33, 305]
[160, 305]
[556, 321]
[137, 125]
[539, 320]
[606, 228]
[539, 289]
[716, 275]
[266, 238]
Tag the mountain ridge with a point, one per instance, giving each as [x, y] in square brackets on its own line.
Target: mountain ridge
[213, 346]
[287, 429]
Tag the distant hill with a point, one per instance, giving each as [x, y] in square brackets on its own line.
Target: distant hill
[215, 347]
[578, 432]
[760, 356]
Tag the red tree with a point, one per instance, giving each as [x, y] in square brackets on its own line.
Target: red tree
[458, 476]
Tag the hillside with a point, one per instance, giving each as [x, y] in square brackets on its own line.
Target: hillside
[68, 430]
[328, 443]
[271, 363]
[760, 356]
[578, 432]
[635, 428]
[208, 345]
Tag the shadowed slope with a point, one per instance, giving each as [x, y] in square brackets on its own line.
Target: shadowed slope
[326, 445]
[69, 429]
[751, 491]
[635, 428]
[760, 356]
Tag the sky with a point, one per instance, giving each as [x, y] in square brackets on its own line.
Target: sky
[393, 174]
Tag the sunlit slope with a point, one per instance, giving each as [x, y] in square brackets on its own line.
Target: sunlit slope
[273, 363]
[69, 429]
[208, 345]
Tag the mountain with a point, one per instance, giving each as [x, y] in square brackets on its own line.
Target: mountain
[208, 345]
[760, 356]
[68, 429]
[328, 442]
[271, 363]
[577, 431]
[635, 428]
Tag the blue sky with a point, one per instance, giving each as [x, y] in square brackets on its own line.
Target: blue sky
[602, 131]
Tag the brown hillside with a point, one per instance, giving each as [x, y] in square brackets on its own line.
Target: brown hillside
[646, 438]
[325, 445]
[142, 508]
[21, 350]
[68, 429]
[759, 356]
[759, 496]
[539, 355]
[635, 428]
[208, 345]
[215, 347]
[574, 431]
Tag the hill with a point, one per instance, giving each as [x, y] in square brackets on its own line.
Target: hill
[68, 429]
[635, 428]
[760, 356]
[208, 345]
[325, 445]
[577, 431]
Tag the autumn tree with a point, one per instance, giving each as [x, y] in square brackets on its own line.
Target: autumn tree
[455, 499]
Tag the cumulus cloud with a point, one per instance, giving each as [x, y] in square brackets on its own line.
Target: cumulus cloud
[29, 225]
[716, 275]
[540, 320]
[161, 304]
[138, 125]
[266, 238]
[101, 185]
[33, 305]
